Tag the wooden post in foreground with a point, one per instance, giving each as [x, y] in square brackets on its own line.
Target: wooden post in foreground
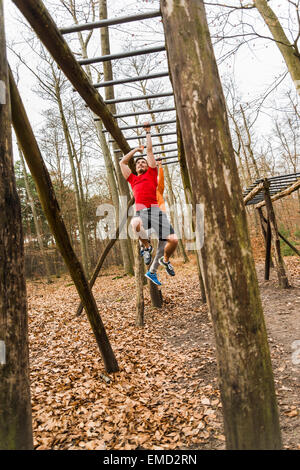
[280, 268]
[245, 372]
[52, 212]
[15, 403]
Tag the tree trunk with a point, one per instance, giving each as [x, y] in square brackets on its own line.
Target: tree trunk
[289, 51]
[15, 408]
[246, 380]
[249, 144]
[35, 219]
[51, 209]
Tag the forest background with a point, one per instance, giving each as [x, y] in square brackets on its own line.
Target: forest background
[262, 104]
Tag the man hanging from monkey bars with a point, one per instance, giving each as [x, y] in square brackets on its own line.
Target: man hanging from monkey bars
[148, 214]
[151, 274]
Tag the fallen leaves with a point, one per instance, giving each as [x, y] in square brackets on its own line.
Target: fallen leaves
[153, 400]
[165, 395]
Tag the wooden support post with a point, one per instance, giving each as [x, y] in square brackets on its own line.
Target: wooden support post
[245, 369]
[280, 268]
[52, 212]
[139, 282]
[15, 403]
[155, 295]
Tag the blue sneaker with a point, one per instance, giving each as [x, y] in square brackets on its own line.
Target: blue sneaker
[153, 278]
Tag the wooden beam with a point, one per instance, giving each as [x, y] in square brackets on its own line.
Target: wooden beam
[282, 194]
[42, 23]
[253, 193]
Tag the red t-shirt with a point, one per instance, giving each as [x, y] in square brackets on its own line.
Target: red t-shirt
[144, 188]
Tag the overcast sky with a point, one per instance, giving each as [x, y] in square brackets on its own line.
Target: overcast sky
[254, 69]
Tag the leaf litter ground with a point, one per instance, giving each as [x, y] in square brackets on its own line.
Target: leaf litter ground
[166, 394]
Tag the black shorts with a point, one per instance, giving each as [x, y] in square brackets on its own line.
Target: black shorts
[153, 217]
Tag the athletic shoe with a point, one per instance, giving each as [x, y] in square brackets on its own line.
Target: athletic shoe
[153, 278]
[168, 266]
[147, 255]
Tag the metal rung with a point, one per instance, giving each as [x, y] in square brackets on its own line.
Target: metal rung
[160, 123]
[143, 136]
[121, 55]
[137, 98]
[139, 113]
[164, 143]
[109, 22]
[271, 178]
[132, 79]
[156, 153]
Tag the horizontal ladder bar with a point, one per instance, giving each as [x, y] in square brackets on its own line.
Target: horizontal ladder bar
[137, 98]
[139, 113]
[160, 123]
[121, 55]
[109, 22]
[156, 153]
[132, 79]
